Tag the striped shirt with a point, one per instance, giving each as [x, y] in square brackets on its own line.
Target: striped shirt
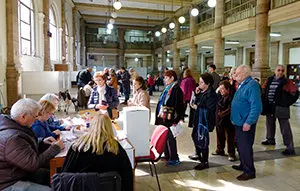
[272, 90]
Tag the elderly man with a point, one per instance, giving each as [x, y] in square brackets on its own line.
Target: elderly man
[245, 109]
[83, 77]
[20, 160]
[279, 93]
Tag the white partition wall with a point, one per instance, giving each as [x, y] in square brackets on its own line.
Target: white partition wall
[136, 127]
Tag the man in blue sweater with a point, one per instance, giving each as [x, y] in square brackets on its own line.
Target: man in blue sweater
[246, 107]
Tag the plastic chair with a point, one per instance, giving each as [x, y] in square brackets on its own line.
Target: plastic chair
[108, 181]
[157, 146]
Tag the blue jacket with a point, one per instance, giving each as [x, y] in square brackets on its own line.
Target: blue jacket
[246, 105]
[42, 129]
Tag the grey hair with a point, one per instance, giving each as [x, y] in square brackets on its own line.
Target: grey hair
[24, 106]
[50, 97]
[245, 69]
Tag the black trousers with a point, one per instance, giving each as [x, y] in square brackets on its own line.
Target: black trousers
[171, 147]
[126, 91]
[245, 140]
[226, 133]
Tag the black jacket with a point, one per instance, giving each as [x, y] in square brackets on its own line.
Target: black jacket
[176, 101]
[208, 101]
[90, 162]
[83, 77]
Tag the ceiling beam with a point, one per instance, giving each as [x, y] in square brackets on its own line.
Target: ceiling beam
[104, 19]
[165, 2]
[124, 10]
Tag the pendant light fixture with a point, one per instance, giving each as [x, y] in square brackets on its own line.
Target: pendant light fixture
[117, 5]
[181, 19]
[164, 30]
[172, 24]
[194, 12]
[211, 3]
[157, 33]
[114, 15]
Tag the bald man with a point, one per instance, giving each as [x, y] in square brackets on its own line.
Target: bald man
[246, 107]
[279, 93]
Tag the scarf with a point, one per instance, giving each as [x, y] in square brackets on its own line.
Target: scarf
[101, 92]
[165, 95]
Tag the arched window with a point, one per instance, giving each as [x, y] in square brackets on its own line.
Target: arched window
[67, 42]
[54, 35]
[26, 27]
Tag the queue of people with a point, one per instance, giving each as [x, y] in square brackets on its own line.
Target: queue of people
[29, 135]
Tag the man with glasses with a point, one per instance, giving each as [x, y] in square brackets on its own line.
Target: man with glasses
[20, 160]
[279, 93]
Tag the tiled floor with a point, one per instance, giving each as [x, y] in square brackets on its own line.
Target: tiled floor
[274, 171]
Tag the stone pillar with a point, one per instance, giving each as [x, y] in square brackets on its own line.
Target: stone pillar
[274, 53]
[176, 51]
[74, 13]
[121, 34]
[239, 56]
[82, 43]
[63, 35]
[218, 39]
[261, 69]
[47, 62]
[154, 55]
[163, 51]
[193, 60]
[12, 43]
[193, 25]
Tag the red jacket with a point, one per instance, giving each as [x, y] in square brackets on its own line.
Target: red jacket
[151, 81]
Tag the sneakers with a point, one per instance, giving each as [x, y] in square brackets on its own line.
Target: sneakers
[231, 159]
[201, 166]
[194, 157]
[268, 142]
[172, 163]
[288, 152]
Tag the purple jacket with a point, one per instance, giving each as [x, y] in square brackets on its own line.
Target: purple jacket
[188, 85]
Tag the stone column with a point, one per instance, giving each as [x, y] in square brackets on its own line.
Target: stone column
[193, 25]
[239, 56]
[12, 43]
[262, 41]
[193, 60]
[176, 51]
[63, 35]
[274, 53]
[163, 51]
[154, 55]
[121, 34]
[47, 62]
[82, 43]
[74, 13]
[218, 39]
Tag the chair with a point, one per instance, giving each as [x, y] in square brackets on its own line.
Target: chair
[157, 146]
[108, 181]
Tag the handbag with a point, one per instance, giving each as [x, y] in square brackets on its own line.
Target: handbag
[114, 113]
[177, 129]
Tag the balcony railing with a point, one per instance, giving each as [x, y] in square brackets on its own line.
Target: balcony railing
[206, 25]
[279, 3]
[240, 12]
[102, 45]
[139, 45]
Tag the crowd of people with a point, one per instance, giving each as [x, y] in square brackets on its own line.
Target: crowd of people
[232, 106]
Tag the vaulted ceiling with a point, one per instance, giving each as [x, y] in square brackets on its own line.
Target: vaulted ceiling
[146, 13]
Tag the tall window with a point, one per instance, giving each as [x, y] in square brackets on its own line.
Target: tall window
[54, 35]
[67, 42]
[26, 27]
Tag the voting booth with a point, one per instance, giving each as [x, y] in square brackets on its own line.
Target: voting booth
[136, 127]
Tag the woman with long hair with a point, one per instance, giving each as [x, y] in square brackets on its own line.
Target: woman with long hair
[188, 85]
[99, 151]
[140, 96]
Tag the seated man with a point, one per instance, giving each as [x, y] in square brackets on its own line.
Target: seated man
[20, 160]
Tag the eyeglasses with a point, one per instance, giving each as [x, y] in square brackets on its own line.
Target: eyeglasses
[34, 116]
[280, 70]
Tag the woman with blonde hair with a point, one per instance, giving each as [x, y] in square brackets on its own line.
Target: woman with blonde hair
[98, 151]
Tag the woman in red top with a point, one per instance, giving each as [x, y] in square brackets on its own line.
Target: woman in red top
[151, 84]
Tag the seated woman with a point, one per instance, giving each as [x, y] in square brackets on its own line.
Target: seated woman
[54, 124]
[40, 126]
[140, 96]
[98, 151]
[103, 97]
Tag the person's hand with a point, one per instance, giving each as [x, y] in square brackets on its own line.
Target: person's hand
[103, 107]
[57, 132]
[197, 90]
[49, 140]
[60, 144]
[246, 127]
[68, 128]
[61, 121]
